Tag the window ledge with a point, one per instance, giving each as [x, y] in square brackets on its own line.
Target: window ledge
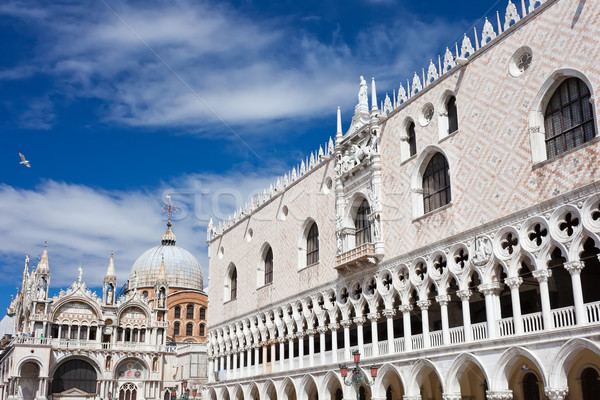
[225, 302]
[308, 266]
[542, 163]
[264, 286]
[408, 159]
[448, 136]
[420, 217]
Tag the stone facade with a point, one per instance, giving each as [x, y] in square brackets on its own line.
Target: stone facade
[486, 293]
[78, 345]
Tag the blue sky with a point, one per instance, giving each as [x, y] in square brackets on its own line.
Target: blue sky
[116, 104]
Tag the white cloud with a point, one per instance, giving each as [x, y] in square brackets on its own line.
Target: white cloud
[83, 224]
[245, 71]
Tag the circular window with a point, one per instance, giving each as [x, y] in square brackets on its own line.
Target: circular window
[426, 114]
[284, 212]
[520, 61]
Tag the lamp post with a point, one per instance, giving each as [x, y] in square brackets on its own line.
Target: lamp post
[356, 376]
[195, 392]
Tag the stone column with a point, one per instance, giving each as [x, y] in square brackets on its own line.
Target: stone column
[389, 313]
[490, 291]
[405, 309]
[290, 339]
[333, 327]
[322, 330]
[241, 366]
[424, 306]
[346, 324]
[300, 336]
[443, 300]
[556, 393]
[311, 346]
[465, 295]
[281, 340]
[249, 358]
[256, 364]
[499, 395]
[542, 277]
[574, 268]
[273, 355]
[234, 371]
[374, 335]
[359, 321]
[514, 283]
[211, 369]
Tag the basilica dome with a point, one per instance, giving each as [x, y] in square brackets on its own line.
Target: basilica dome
[182, 269]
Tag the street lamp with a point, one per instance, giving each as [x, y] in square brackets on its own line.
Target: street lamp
[195, 392]
[109, 394]
[356, 376]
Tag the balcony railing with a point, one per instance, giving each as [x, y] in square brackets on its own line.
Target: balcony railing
[362, 253]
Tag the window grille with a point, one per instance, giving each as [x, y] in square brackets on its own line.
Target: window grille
[176, 328]
[189, 312]
[189, 329]
[569, 118]
[362, 224]
[436, 183]
[178, 312]
[233, 284]
[269, 266]
[412, 139]
[312, 245]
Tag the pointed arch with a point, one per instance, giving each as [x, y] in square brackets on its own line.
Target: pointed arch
[386, 375]
[416, 375]
[422, 171]
[459, 367]
[565, 358]
[505, 364]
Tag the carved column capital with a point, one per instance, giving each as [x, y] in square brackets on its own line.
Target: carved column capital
[373, 316]
[334, 326]
[490, 288]
[412, 397]
[464, 294]
[359, 320]
[442, 299]
[389, 312]
[513, 282]
[423, 304]
[346, 323]
[405, 308]
[542, 275]
[575, 267]
[451, 396]
[321, 329]
[311, 332]
[499, 394]
[556, 393]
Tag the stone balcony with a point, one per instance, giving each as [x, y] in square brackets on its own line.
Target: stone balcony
[361, 255]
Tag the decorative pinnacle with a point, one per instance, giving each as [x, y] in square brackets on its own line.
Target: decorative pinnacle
[339, 122]
[373, 95]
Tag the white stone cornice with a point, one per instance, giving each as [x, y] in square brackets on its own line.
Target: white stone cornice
[499, 394]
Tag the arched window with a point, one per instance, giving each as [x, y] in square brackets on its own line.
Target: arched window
[189, 311]
[202, 313]
[569, 117]
[201, 330]
[362, 224]
[178, 312]
[412, 139]
[436, 183]
[189, 329]
[269, 266]
[590, 384]
[176, 328]
[452, 115]
[312, 245]
[234, 283]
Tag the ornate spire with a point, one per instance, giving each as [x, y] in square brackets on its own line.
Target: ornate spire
[110, 272]
[43, 267]
[339, 123]
[168, 239]
[373, 95]
[162, 277]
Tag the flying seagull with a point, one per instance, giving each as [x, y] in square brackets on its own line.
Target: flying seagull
[24, 161]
